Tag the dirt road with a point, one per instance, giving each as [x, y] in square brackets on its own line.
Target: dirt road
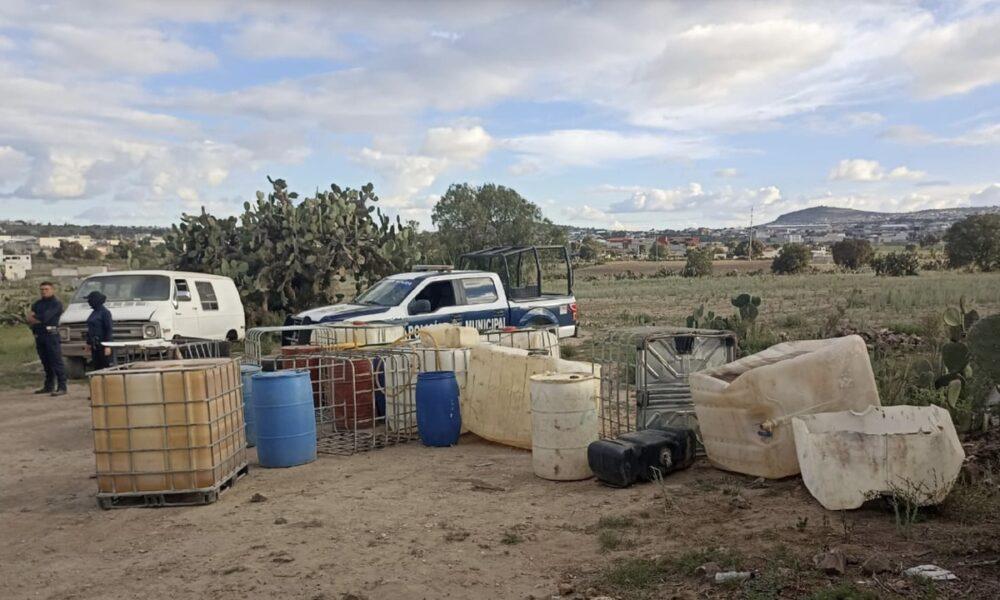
[406, 522]
[414, 522]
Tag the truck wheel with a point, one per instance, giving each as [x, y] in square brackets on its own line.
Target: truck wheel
[76, 367]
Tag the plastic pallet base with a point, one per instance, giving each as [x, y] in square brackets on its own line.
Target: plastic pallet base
[161, 499]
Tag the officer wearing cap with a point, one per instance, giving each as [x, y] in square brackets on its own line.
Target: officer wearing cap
[44, 321]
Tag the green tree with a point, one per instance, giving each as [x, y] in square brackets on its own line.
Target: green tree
[929, 239]
[792, 258]
[68, 250]
[741, 248]
[590, 248]
[471, 218]
[975, 240]
[896, 264]
[656, 251]
[92, 254]
[852, 253]
[699, 263]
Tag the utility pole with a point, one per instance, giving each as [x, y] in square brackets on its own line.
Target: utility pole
[750, 237]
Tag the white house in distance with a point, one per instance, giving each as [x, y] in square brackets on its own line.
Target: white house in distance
[14, 267]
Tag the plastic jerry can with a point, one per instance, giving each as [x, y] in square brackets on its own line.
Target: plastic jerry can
[614, 462]
[667, 450]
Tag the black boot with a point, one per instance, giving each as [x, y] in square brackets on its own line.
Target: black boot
[45, 390]
[60, 392]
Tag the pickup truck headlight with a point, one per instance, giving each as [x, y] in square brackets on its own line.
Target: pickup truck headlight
[150, 331]
[64, 334]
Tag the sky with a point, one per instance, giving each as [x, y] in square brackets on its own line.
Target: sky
[619, 114]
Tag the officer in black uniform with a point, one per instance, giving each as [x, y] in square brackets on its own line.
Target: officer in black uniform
[99, 330]
[44, 322]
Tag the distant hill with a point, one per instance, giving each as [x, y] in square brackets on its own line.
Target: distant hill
[96, 231]
[829, 215]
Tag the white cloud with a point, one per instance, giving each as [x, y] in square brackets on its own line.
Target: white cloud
[690, 197]
[956, 57]
[906, 173]
[267, 38]
[459, 144]
[14, 165]
[138, 51]
[859, 169]
[983, 135]
[988, 196]
[589, 147]
[727, 172]
[585, 213]
[443, 148]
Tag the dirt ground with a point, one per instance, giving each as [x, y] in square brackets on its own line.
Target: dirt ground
[464, 522]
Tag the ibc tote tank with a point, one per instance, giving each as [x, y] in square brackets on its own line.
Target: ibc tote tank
[563, 423]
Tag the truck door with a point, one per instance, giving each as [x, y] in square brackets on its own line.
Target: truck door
[185, 311]
[444, 307]
[211, 322]
[484, 309]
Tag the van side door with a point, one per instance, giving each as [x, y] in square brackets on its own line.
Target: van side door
[212, 323]
[185, 310]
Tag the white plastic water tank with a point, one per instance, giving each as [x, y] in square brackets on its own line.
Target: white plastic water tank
[563, 423]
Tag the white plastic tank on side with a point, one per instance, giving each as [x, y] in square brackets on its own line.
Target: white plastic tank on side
[745, 407]
[563, 423]
[444, 335]
[849, 457]
[540, 341]
[358, 334]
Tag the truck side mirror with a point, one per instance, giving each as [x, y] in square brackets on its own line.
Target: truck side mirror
[419, 307]
[182, 296]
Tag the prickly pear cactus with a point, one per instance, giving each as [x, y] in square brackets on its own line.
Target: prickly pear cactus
[286, 256]
[984, 347]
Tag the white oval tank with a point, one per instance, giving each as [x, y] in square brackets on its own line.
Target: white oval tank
[563, 423]
[358, 334]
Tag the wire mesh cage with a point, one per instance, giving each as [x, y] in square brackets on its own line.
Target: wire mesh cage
[261, 341]
[645, 370]
[170, 350]
[363, 396]
[538, 340]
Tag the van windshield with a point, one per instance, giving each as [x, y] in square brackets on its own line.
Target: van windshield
[119, 288]
[388, 292]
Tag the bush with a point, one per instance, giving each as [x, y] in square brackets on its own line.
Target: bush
[975, 241]
[852, 253]
[896, 264]
[792, 258]
[741, 249]
[699, 263]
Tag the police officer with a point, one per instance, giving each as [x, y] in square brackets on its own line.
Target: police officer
[99, 330]
[44, 322]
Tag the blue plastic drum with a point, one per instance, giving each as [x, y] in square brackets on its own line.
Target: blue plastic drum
[439, 419]
[246, 373]
[283, 414]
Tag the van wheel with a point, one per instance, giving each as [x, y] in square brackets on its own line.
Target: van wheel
[232, 336]
[76, 367]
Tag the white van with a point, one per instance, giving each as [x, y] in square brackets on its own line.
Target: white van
[149, 305]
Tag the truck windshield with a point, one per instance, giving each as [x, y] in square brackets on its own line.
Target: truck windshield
[119, 288]
[388, 292]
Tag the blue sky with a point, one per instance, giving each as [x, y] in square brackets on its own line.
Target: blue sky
[617, 114]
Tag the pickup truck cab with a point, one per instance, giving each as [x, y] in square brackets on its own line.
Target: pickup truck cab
[153, 305]
[486, 300]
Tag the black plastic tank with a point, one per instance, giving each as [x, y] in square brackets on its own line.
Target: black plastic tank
[636, 456]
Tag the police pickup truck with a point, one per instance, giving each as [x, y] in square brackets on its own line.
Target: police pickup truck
[495, 288]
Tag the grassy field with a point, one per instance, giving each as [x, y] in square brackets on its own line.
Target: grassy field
[19, 366]
[796, 304]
